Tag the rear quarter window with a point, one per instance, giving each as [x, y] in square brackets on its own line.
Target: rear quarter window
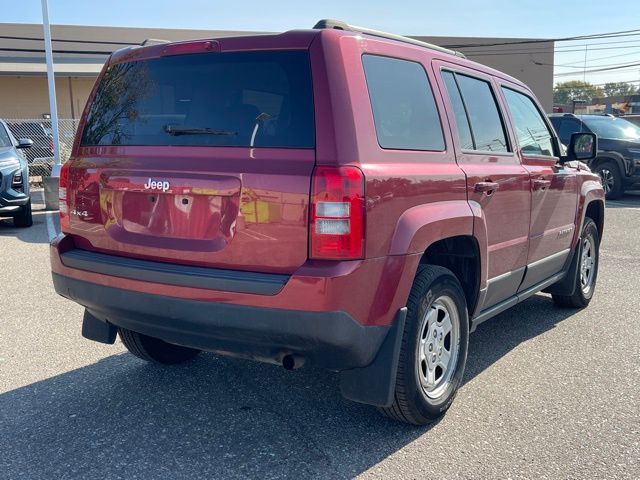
[242, 99]
[404, 110]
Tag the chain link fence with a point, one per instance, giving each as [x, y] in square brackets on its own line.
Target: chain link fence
[40, 155]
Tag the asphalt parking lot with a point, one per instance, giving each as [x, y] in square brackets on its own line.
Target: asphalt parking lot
[549, 393]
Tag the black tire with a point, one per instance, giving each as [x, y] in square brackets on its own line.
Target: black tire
[581, 297]
[411, 403]
[611, 170]
[155, 350]
[25, 218]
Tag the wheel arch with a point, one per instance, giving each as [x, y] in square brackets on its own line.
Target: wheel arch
[591, 205]
[450, 234]
[461, 255]
[610, 157]
[595, 211]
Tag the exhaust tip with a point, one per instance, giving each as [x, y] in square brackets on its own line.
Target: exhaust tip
[292, 362]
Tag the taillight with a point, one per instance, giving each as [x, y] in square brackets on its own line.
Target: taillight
[337, 213]
[63, 197]
[51, 146]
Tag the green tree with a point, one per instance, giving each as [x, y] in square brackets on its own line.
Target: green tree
[613, 89]
[565, 92]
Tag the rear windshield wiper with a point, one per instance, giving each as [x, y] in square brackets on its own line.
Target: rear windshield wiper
[178, 130]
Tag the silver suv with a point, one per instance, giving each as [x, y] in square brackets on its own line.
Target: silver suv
[15, 200]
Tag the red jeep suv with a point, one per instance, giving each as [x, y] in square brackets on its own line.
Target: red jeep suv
[337, 195]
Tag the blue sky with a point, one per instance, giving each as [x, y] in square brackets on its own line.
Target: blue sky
[498, 18]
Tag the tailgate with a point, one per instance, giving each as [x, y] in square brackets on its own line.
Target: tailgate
[199, 158]
[254, 219]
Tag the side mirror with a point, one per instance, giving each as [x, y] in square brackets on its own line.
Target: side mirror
[24, 143]
[583, 146]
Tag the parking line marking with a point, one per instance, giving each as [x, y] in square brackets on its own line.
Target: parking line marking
[51, 228]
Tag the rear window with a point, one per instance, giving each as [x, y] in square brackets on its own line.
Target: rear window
[404, 110]
[235, 99]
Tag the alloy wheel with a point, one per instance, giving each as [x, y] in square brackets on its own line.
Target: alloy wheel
[607, 180]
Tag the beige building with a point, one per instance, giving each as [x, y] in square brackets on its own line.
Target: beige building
[23, 85]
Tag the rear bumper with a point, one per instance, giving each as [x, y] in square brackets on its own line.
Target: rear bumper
[369, 291]
[331, 339]
[335, 314]
[344, 316]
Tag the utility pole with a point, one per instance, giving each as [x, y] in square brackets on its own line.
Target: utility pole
[51, 185]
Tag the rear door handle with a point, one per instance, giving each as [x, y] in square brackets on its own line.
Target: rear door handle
[541, 184]
[486, 187]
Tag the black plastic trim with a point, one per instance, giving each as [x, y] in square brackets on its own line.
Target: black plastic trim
[544, 268]
[331, 339]
[503, 286]
[173, 274]
[375, 384]
[491, 312]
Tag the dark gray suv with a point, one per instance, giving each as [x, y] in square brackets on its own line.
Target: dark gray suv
[14, 178]
[618, 159]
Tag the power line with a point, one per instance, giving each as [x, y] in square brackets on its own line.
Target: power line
[621, 33]
[562, 87]
[517, 42]
[557, 48]
[630, 65]
[526, 52]
[579, 67]
[65, 40]
[599, 58]
[37, 50]
[567, 48]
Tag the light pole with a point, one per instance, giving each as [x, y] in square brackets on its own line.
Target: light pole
[51, 185]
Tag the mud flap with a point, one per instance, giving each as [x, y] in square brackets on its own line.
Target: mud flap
[375, 383]
[567, 286]
[97, 330]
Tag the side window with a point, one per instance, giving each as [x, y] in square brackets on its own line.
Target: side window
[533, 134]
[482, 110]
[476, 112]
[404, 110]
[464, 132]
[568, 126]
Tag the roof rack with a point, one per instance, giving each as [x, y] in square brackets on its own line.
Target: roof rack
[339, 25]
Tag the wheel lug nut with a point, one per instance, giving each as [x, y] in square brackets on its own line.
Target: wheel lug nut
[435, 334]
[430, 347]
[433, 358]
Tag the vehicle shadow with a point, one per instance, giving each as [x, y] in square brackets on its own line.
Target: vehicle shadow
[37, 233]
[34, 234]
[217, 417]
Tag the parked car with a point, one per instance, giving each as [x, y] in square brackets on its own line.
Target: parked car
[15, 200]
[41, 152]
[338, 196]
[618, 159]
